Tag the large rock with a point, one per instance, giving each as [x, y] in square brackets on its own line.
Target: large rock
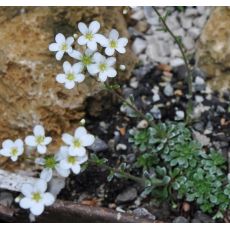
[213, 50]
[29, 93]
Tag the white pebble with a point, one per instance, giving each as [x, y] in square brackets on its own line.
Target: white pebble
[179, 115]
[121, 147]
[199, 81]
[168, 90]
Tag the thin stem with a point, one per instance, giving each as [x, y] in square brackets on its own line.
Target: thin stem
[189, 74]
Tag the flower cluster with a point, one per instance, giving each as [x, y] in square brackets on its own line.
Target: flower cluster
[91, 61]
[68, 159]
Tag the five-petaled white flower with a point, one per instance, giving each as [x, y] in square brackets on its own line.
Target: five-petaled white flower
[71, 76]
[39, 139]
[35, 197]
[114, 43]
[90, 36]
[85, 59]
[78, 143]
[12, 149]
[52, 163]
[72, 162]
[62, 45]
[103, 67]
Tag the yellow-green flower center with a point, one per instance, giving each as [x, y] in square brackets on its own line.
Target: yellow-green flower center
[40, 139]
[102, 67]
[86, 60]
[113, 44]
[72, 160]
[70, 77]
[14, 151]
[89, 36]
[36, 196]
[64, 47]
[77, 143]
[50, 162]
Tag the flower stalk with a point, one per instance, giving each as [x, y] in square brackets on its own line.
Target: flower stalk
[188, 69]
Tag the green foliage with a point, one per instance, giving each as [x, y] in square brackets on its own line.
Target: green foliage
[186, 170]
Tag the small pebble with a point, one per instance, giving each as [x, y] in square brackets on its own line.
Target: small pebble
[142, 124]
[179, 115]
[121, 147]
[156, 112]
[168, 90]
[156, 97]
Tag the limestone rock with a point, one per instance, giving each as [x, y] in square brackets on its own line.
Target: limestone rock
[29, 93]
[213, 48]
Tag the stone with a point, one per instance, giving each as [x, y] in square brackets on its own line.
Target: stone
[98, 145]
[134, 83]
[175, 62]
[213, 51]
[122, 147]
[203, 218]
[139, 45]
[188, 42]
[202, 139]
[168, 90]
[156, 97]
[35, 97]
[179, 115]
[194, 32]
[138, 15]
[200, 21]
[143, 212]
[128, 195]
[191, 12]
[6, 199]
[186, 22]
[180, 219]
[156, 112]
[142, 124]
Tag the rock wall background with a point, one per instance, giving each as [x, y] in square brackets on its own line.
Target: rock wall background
[29, 93]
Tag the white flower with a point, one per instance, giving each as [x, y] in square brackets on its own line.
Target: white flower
[62, 45]
[114, 43]
[39, 140]
[78, 143]
[85, 59]
[71, 75]
[12, 149]
[103, 66]
[72, 162]
[51, 163]
[35, 197]
[90, 36]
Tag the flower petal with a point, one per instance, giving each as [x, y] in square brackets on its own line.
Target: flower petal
[47, 140]
[41, 149]
[5, 152]
[80, 78]
[62, 153]
[80, 131]
[93, 69]
[39, 130]
[121, 50]
[70, 41]
[63, 172]
[26, 189]
[94, 27]
[111, 72]
[102, 77]
[81, 40]
[111, 61]
[25, 203]
[69, 84]
[46, 174]
[82, 27]
[37, 209]
[67, 67]
[92, 45]
[122, 42]
[40, 186]
[67, 138]
[113, 34]
[81, 151]
[59, 55]
[60, 38]
[61, 78]
[14, 158]
[19, 143]
[89, 52]
[87, 139]
[98, 58]
[53, 47]
[31, 141]
[48, 199]
[109, 51]
[75, 54]
[76, 169]
[64, 164]
[7, 144]
[78, 67]
[101, 39]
